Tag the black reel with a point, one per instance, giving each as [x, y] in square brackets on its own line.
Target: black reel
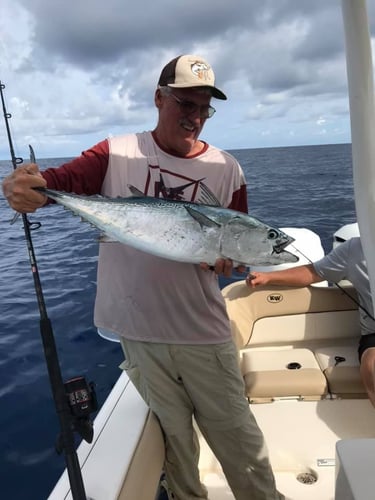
[81, 397]
[82, 402]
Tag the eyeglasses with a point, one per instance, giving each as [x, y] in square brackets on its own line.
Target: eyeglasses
[189, 107]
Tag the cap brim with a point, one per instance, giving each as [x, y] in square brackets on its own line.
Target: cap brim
[217, 93]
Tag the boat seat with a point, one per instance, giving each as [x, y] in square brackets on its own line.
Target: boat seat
[282, 373]
[340, 366]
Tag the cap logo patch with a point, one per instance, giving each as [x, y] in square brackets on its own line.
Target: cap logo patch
[200, 70]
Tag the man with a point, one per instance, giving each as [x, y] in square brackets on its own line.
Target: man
[171, 316]
[346, 261]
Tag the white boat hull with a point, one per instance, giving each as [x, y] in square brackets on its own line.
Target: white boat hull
[125, 459]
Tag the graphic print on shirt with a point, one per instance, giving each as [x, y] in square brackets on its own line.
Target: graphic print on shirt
[162, 183]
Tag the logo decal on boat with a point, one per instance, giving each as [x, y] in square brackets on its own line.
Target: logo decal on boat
[274, 298]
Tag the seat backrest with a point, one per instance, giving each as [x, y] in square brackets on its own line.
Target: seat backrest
[276, 315]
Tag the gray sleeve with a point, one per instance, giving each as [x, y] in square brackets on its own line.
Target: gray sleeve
[334, 266]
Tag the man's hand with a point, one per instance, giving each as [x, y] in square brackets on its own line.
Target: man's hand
[256, 278]
[222, 267]
[17, 188]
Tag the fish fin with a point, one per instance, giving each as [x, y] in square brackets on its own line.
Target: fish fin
[104, 238]
[207, 197]
[201, 218]
[135, 191]
[237, 222]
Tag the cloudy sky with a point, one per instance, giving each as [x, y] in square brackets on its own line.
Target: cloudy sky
[77, 71]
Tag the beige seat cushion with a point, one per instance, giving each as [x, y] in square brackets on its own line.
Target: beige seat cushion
[340, 365]
[272, 374]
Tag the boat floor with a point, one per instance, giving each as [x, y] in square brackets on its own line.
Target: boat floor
[301, 438]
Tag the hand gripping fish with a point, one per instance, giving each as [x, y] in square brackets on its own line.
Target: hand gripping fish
[180, 230]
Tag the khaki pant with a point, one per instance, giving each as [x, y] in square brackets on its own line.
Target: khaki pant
[181, 381]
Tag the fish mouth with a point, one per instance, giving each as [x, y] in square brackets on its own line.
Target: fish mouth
[280, 246]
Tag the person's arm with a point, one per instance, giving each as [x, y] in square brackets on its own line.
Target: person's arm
[294, 276]
[239, 200]
[83, 175]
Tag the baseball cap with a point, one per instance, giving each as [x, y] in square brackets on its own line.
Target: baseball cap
[188, 71]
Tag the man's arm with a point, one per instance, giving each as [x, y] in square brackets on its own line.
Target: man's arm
[82, 175]
[294, 276]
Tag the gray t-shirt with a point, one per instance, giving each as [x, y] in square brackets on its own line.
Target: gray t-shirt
[347, 261]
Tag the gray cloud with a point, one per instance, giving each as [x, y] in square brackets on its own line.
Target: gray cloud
[90, 67]
[273, 44]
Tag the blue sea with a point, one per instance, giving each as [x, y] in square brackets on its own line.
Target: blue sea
[309, 186]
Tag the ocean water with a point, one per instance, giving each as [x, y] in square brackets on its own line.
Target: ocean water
[308, 186]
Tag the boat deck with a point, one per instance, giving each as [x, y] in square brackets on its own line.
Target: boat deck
[301, 437]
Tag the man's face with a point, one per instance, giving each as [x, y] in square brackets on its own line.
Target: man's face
[181, 119]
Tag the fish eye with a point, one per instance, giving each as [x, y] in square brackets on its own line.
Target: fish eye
[272, 234]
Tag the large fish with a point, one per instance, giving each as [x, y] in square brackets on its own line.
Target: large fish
[179, 230]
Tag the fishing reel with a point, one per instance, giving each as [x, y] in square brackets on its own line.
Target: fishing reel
[82, 402]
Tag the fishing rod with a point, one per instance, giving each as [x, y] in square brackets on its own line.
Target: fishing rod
[74, 399]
